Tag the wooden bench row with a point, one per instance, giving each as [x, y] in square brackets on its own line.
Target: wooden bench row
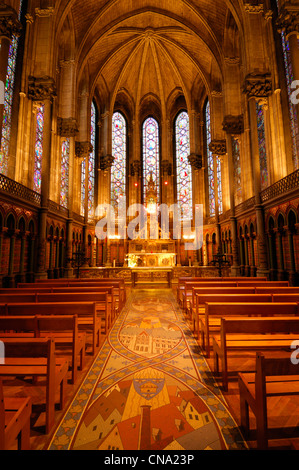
[118, 284]
[104, 303]
[272, 377]
[203, 301]
[35, 358]
[182, 280]
[187, 296]
[63, 329]
[88, 318]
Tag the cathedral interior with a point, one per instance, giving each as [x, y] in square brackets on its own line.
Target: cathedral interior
[109, 109]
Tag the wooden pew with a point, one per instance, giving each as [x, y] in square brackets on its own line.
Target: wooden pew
[273, 377]
[15, 415]
[63, 329]
[251, 335]
[30, 295]
[215, 312]
[271, 284]
[188, 298]
[103, 308]
[117, 282]
[215, 291]
[37, 358]
[202, 299]
[86, 312]
[188, 286]
[277, 290]
[119, 289]
[182, 280]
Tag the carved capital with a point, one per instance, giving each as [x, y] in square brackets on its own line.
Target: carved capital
[136, 168]
[218, 147]
[195, 161]
[254, 6]
[106, 162]
[288, 20]
[233, 124]
[42, 88]
[83, 150]
[9, 23]
[67, 127]
[258, 86]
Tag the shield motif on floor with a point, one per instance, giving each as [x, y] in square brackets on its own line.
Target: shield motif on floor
[148, 388]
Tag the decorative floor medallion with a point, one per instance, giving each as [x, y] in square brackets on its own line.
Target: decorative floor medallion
[149, 388]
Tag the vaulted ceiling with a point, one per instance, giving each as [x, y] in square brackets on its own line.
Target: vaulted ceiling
[151, 48]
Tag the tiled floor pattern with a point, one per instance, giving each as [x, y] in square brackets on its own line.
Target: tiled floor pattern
[148, 388]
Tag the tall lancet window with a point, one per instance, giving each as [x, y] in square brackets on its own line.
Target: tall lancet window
[262, 146]
[64, 179]
[210, 162]
[151, 156]
[294, 123]
[92, 162]
[119, 152]
[88, 178]
[214, 173]
[38, 149]
[8, 101]
[183, 167]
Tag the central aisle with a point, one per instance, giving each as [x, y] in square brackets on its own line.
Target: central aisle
[148, 388]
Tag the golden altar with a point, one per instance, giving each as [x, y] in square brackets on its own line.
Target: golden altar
[146, 254]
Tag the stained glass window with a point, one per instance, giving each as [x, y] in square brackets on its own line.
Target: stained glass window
[90, 194]
[292, 108]
[237, 169]
[214, 174]
[64, 182]
[151, 153]
[184, 171]
[8, 101]
[119, 152]
[91, 163]
[38, 149]
[262, 145]
[210, 161]
[83, 173]
[219, 185]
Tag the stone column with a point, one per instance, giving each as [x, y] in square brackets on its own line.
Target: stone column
[22, 257]
[218, 149]
[42, 90]
[67, 128]
[280, 270]
[11, 282]
[257, 88]
[9, 27]
[234, 127]
[292, 272]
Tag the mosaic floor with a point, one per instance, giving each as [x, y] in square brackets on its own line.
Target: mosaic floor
[148, 388]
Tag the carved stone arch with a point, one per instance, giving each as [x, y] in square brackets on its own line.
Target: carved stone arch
[124, 103]
[32, 227]
[292, 218]
[281, 221]
[10, 221]
[21, 224]
[150, 105]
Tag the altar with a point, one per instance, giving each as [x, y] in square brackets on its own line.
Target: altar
[156, 254]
